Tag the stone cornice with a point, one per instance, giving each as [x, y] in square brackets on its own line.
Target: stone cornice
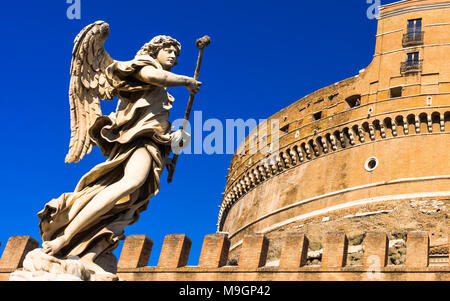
[410, 9]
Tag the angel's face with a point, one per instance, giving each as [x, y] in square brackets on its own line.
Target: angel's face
[167, 57]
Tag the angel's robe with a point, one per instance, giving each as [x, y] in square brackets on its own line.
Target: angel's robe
[141, 120]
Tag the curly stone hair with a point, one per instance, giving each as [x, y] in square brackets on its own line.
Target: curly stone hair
[156, 44]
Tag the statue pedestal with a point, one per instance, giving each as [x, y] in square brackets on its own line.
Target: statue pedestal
[42, 276]
[39, 266]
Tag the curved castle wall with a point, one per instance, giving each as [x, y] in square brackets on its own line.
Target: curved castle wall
[382, 135]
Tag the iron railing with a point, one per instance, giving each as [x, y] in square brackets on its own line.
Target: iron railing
[411, 66]
[413, 38]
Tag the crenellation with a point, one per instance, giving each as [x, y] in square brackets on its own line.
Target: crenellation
[254, 251]
[135, 251]
[175, 251]
[417, 249]
[348, 157]
[253, 257]
[15, 251]
[215, 250]
[376, 248]
[294, 252]
[335, 250]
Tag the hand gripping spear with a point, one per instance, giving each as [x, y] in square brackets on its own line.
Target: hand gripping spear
[201, 44]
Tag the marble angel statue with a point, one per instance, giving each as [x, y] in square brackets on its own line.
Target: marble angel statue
[136, 138]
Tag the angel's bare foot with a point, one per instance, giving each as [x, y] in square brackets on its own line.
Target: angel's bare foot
[53, 246]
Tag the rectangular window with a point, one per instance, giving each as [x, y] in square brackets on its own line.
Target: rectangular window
[413, 63]
[414, 34]
[413, 58]
[414, 27]
[396, 92]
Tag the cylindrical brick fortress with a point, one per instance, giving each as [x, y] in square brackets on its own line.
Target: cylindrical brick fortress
[381, 136]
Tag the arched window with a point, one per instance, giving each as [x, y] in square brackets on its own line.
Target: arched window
[353, 101]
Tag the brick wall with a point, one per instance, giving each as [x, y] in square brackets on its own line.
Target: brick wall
[252, 265]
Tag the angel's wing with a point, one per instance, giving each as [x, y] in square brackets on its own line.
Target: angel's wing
[88, 84]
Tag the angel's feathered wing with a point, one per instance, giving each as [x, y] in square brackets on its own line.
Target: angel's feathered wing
[88, 84]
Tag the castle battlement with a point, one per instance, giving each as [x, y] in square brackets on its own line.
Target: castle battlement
[252, 264]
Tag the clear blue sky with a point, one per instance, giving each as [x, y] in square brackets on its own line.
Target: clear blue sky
[264, 56]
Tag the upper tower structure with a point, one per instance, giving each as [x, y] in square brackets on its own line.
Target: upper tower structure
[380, 136]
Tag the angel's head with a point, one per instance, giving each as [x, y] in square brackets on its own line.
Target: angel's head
[164, 49]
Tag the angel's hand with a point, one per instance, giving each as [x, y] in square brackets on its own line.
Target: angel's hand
[180, 140]
[193, 86]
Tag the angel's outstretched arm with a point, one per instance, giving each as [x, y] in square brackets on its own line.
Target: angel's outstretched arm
[164, 78]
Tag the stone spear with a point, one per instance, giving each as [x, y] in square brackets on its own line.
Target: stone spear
[201, 44]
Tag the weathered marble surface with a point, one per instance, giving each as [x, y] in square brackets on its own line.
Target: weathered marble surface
[80, 228]
[39, 266]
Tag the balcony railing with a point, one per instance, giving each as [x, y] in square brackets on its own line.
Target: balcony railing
[411, 66]
[413, 38]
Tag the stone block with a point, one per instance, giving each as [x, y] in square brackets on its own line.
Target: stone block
[417, 248]
[215, 250]
[294, 251]
[135, 252]
[376, 248]
[175, 251]
[254, 251]
[15, 251]
[335, 248]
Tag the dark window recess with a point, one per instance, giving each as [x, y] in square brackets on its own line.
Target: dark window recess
[285, 129]
[396, 92]
[332, 96]
[354, 101]
[317, 115]
[318, 101]
[413, 57]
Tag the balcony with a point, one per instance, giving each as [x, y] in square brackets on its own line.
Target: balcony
[411, 66]
[413, 38]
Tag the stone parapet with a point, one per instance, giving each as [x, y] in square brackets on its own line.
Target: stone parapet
[252, 265]
[15, 250]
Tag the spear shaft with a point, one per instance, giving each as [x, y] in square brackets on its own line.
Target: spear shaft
[201, 44]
